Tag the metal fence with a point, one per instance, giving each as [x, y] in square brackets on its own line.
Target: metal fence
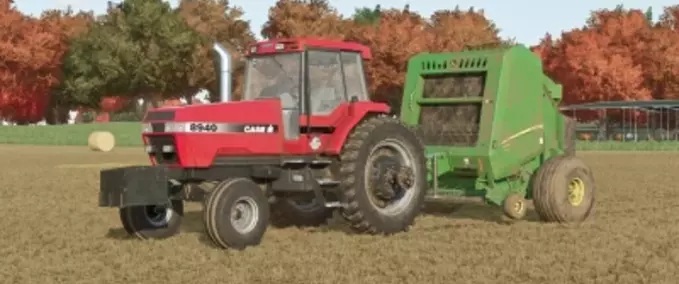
[626, 125]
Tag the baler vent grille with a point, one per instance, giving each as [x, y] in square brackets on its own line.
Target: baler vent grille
[456, 63]
[454, 85]
[450, 124]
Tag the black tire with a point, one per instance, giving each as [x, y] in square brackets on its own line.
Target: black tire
[551, 190]
[141, 222]
[218, 213]
[514, 206]
[569, 136]
[285, 213]
[362, 213]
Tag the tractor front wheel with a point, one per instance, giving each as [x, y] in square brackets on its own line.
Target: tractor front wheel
[151, 221]
[564, 190]
[383, 176]
[236, 214]
[299, 212]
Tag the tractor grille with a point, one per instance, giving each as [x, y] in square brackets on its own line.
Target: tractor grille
[157, 142]
[457, 85]
[450, 124]
[158, 127]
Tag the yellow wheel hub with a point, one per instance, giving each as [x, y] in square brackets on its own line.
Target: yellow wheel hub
[576, 192]
[518, 206]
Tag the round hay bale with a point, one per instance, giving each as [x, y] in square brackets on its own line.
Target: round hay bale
[101, 141]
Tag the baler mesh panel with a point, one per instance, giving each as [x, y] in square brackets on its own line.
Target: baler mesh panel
[450, 124]
[457, 85]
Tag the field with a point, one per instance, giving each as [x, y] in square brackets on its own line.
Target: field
[53, 232]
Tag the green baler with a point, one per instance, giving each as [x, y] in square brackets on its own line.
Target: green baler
[492, 128]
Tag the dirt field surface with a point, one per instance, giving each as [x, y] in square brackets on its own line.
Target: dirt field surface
[53, 232]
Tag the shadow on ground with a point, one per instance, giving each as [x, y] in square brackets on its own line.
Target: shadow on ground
[454, 209]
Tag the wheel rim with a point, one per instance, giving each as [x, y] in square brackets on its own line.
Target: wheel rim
[158, 216]
[576, 192]
[244, 215]
[392, 152]
[518, 207]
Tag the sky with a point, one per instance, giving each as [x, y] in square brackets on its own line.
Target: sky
[525, 20]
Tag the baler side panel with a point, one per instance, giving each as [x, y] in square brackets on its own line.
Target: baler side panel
[554, 120]
[469, 158]
[519, 124]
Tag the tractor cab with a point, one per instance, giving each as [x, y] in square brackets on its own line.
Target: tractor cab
[311, 78]
[299, 96]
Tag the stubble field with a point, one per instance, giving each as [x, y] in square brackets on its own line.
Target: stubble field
[53, 232]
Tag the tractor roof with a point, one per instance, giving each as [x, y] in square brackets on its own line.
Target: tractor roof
[299, 44]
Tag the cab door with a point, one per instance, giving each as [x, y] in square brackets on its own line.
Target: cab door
[325, 92]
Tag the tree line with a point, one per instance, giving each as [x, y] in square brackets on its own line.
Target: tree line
[63, 59]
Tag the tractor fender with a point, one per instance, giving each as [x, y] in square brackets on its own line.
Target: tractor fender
[356, 113]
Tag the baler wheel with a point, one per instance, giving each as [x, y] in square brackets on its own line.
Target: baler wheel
[236, 214]
[374, 159]
[307, 213]
[515, 206]
[564, 190]
[152, 222]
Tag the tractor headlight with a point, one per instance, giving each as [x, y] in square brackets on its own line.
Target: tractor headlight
[168, 149]
[175, 127]
[149, 149]
[146, 128]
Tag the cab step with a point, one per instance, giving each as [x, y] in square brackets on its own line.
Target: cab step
[327, 182]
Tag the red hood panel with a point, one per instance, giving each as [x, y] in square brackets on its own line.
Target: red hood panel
[261, 111]
[200, 149]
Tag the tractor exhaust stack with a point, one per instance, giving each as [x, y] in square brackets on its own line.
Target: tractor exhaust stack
[222, 62]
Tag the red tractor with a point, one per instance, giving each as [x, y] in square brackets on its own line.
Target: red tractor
[304, 141]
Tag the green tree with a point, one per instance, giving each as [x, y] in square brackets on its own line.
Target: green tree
[649, 15]
[139, 49]
[367, 16]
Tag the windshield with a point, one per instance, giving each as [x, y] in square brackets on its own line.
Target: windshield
[274, 76]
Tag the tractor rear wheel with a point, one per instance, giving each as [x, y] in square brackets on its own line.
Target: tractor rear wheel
[299, 212]
[151, 221]
[564, 190]
[383, 176]
[236, 214]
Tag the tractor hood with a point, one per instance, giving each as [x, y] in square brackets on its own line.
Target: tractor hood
[231, 117]
[202, 135]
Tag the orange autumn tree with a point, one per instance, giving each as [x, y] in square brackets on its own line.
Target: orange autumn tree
[304, 18]
[453, 30]
[215, 20]
[397, 36]
[597, 62]
[660, 61]
[30, 56]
